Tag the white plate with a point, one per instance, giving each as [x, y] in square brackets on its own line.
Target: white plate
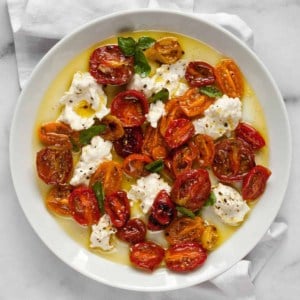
[22, 158]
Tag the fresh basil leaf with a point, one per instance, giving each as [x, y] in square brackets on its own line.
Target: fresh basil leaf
[145, 42]
[186, 212]
[155, 166]
[211, 199]
[99, 192]
[210, 91]
[162, 95]
[141, 65]
[127, 45]
[86, 135]
[75, 145]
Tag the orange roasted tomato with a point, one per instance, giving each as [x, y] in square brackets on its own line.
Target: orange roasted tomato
[54, 166]
[191, 189]
[134, 165]
[114, 129]
[57, 199]
[84, 206]
[185, 229]
[110, 174]
[146, 256]
[108, 65]
[229, 78]
[193, 103]
[184, 257]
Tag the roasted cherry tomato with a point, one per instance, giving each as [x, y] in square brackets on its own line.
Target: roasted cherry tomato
[114, 129]
[162, 211]
[130, 107]
[178, 132]
[166, 50]
[134, 165]
[154, 144]
[205, 149]
[199, 73]
[254, 183]
[57, 199]
[229, 78]
[54, 166]
[183, 158]
[250, 135]
[209, 237]
[146, 255]
[56, 134]
[108, 65]
[110, 174]
[131, 142]
[117, 207]
[185, 257]
[133, 232]
[84, 206]
[184, 229]
[191, 189]
[233, 159]
[193, 103]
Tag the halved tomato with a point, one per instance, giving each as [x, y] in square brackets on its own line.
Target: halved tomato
[199, 73]
[130, 107]
[114, 129]
[84, 206]
[108, 65]
[133, 232]
[134, 165]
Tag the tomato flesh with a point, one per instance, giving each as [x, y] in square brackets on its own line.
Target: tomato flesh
[199, 73]
[108, 65]
[134, 165]
[84, 206]
[133, 232]
[185, 257]
[130, 107]
[254, 183]
[147, 255]
[117, 207]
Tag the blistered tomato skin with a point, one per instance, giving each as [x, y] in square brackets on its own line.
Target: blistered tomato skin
[146, 256]
[133, 232]
[108, 65]
[185, 257]
[199, 73]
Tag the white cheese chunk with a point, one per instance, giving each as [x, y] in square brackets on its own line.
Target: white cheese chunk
[102, 233]
[220, 118]
[166, 76]
[229, 205]
[146, 189]
[91, 157]
[83, 89]
[156, 111]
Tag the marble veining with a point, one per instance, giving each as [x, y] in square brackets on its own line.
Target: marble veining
[30, 271]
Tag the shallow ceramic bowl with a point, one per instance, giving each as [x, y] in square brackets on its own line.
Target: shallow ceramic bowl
[22, 158]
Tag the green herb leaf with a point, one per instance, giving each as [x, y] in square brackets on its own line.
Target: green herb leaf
[162, 95]
[127, 45]
[141, 65]
[75, 146]
[155, 166]
[98, 190]
[86, 135]
[145, 42]
[210, 91]
[186, 212]
[211, 199]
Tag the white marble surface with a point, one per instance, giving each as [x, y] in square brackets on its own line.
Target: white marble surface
[30, 271]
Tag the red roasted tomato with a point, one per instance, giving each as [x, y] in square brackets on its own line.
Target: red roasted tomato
[250, 135]
[191, 189]
[108, 65]
[131, 142]
[146, 255]
[254, 183]
[178, 132]
[130, 107]
[54, 166]
[133, 232]
[84, 206]
[117, 207]
[185, 257]
[233, 159]
[199, 73]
